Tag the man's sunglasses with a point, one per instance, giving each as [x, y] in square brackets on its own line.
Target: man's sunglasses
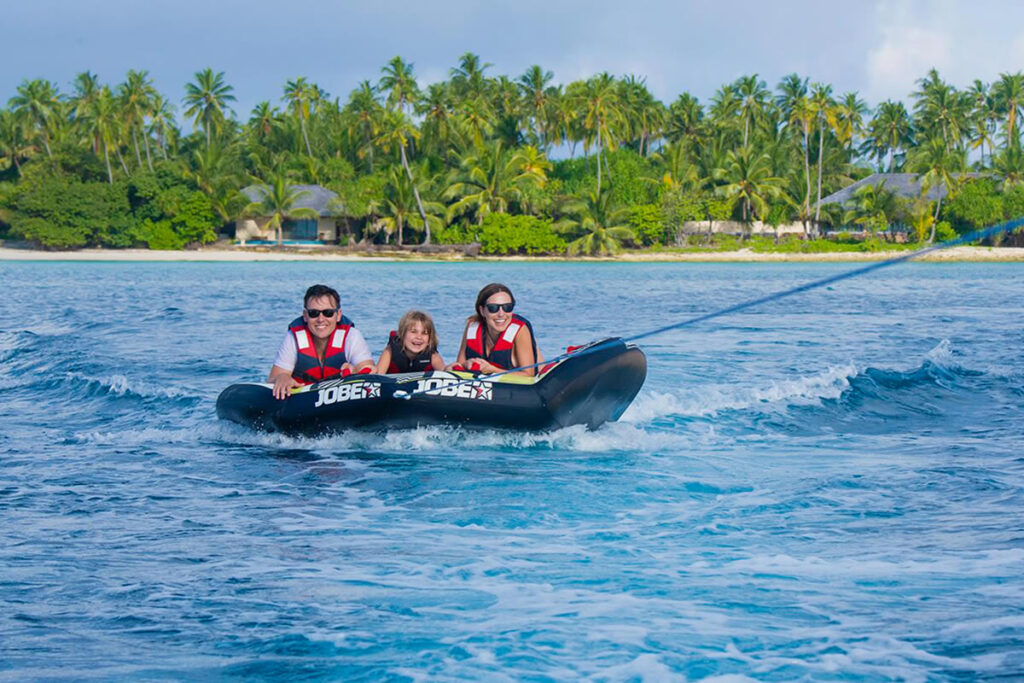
[315, 312]
[493, 308]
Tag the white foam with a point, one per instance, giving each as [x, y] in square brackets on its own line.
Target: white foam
[710, 399]
[121, 385]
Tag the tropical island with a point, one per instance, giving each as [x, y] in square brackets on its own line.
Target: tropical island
[496, 165]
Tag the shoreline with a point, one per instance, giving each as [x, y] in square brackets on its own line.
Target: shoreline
[236, 255]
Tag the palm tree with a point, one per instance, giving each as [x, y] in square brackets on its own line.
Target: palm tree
[644, 116]
[872, 208]
[400, 83]
[1008, 93]
[396, 131]
[87, 87]
[602, 117]
[935, 165]
[888, 132]
[161, 123]
[215, 171]
[604, 228]
[824, 108]
[467, 79]
[278, 201]
[103, 124]
[748, 179]
[136, 100]
[397, 207]
[1009, 166]
[534, 84]
[13, 141]
[684, 120]
[752, 93]
[365, 112]
[488, 181]
[301, 97]
[38, 100]
[207, 100]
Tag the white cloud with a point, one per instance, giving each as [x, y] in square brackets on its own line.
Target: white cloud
[907, 49]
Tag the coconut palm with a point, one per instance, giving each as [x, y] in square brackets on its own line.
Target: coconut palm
[38, 100]
[398, 207]
[440, 126]
[489, 180]
[603, 227]
[365, 114]
[824, 108]
[936, 165]
[161, 123]
[400, 84]
[1008, 93]
[537, 93]
[749, 180]
[888, 133]
[135, 97]
[872, 207]
[302, 96]
[14, 144]
[752, 94]
[397, 131]
[602, 114]
[467, 79]
[206, 101]
[277, 200]
[1009, 166]
[103, 124]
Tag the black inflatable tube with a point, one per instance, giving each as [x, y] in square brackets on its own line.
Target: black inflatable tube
[588, 388]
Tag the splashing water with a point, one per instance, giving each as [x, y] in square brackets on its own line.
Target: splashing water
[824, 488]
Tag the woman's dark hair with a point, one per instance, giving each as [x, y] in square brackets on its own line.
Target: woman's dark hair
[486, 293]
[317, 291]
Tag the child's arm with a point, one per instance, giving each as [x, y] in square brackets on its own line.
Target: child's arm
[384, 363]
[436, 362]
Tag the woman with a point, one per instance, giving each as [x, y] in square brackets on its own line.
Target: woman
[495, 339]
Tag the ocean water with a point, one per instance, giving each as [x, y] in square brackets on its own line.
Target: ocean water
[829, 487]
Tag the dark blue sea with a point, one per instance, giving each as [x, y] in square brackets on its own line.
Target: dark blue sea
[828, 487]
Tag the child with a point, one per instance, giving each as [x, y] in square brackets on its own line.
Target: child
[413, 348]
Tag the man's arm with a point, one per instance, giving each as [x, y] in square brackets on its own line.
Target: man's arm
[281, 372]
[356, 351]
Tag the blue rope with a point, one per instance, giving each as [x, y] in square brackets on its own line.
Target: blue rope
[975, 236]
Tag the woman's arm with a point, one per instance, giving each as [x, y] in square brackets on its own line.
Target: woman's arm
[522, 353]
[436, 362]
[460, 359]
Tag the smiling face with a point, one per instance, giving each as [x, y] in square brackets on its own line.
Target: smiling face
[499, 320]
[321, 326]
[416, 339]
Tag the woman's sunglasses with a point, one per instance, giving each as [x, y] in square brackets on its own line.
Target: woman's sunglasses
[493, 308]
[315, 313]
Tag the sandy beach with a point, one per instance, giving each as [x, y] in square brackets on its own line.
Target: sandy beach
[953, 254]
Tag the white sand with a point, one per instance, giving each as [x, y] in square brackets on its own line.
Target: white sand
[243, 255]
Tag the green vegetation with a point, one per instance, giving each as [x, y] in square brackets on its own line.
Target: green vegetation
[469, 159]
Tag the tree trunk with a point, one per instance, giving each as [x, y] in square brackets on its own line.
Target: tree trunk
[305, 138]
[106, 157]
[807, 169]
[149, 157]
[121, 159]
[821, 149]
[416, 194]
[135, 142]
[598, 162]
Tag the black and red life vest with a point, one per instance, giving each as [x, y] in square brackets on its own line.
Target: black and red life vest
[400, 362]
[308, 368]
[501, 354]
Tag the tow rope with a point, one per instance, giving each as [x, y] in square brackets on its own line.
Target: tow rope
[806, 287]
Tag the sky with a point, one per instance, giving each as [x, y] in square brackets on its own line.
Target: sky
[878, 48]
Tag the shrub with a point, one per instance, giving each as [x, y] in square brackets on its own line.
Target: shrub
[504, 234]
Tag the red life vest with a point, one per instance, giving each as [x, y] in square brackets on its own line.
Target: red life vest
[501, 354]
[402, 363]
[308, 368]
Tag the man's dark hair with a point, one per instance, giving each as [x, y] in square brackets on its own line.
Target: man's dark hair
[317, 291]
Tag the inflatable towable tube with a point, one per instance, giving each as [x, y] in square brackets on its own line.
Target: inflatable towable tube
[593, 385]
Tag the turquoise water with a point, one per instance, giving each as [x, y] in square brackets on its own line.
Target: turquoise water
[828, 487]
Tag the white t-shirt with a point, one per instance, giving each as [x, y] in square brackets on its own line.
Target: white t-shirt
[356, 350]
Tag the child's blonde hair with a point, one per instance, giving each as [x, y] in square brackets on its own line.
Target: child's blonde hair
[423, 319]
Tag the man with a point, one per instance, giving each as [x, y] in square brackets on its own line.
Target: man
[319, 345]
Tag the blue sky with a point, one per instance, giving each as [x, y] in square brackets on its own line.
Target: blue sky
[878, 48]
